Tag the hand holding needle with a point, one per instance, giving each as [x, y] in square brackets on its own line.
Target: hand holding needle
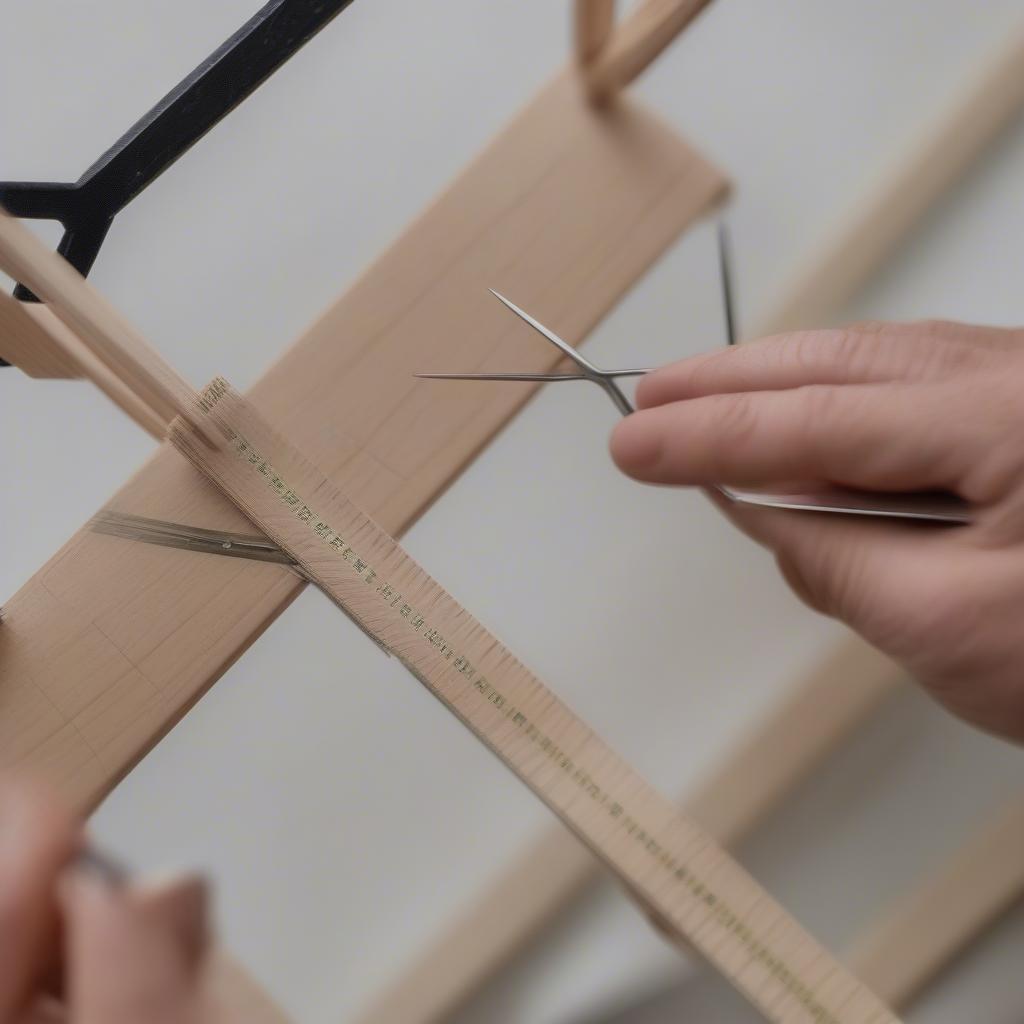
[929, 506]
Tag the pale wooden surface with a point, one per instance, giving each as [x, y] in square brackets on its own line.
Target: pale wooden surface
[239, 1000]
[920, 935]
[107, 646]
[89, 368]
[593, 21]
[500, 921]
[98, 329]
[637, 42]
[72, 335]
[696, 892]
[26, 344]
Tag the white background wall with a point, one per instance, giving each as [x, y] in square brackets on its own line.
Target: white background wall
[306, 806]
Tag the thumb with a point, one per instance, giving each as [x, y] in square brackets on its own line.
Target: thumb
[133, 954]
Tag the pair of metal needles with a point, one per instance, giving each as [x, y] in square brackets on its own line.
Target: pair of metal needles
[943, 508]
[928, 506]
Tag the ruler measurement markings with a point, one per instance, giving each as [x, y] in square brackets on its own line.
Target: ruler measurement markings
[668, 861]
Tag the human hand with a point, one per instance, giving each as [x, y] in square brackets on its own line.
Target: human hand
[129, 954]
[885, 407]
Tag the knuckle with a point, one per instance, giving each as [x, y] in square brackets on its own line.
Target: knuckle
[703, 373]
[737, 420]
[872, 328]
[855, 349]
[956, 358]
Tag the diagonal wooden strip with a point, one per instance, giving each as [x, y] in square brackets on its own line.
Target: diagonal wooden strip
[33, 339]
[26, 344]
[637, 43]
[933, 162]
[953, 904]
[237, 998]
[593, 21]
[699, 895]
[109, 645]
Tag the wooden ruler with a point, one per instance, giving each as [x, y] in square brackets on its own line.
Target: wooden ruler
[696, 892]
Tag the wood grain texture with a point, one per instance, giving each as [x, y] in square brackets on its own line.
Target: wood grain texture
[919, 936]
[109, 645]
[697, 893]
[637, 42]
[524, 898]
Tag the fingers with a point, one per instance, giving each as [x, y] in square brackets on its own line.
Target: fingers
[888, 437]
[846, 567]
[134, 954]
[37, 837]
[859, 354]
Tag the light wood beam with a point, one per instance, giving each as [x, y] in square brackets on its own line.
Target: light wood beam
[28, 345]
[636, 43]
[593, 23]
[34, 340]
[933, 162]
[237, 997]
[925, 931]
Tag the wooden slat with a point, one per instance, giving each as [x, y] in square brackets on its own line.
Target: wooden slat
[925, 930]
[237, 998]
[26, 344]
[593, 22]
[636, 42]
[115, 358]
[933, 162]
[109, 644]
[60, 353]
[524, 898]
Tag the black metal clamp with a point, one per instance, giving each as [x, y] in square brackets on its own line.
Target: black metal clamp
[86, 208]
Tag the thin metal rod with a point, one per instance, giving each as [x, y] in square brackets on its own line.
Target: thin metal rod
[600, 377]
[564, 347]
[166, 534]
[193, 538]
[725, 276]
[543, 377]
